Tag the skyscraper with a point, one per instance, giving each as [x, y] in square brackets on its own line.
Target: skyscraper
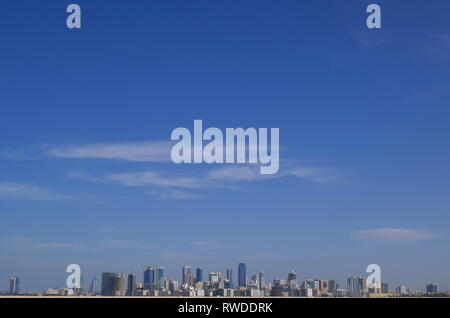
[147, 278]
[131, 286]
[242, 275]
[93, 286]
[230, 275]
[384, 288]
[292, 276]
[153, 277]
[199, 275]
[186, 274]
[356, 286]
[14, 285]
[113, 284]
[261, 280]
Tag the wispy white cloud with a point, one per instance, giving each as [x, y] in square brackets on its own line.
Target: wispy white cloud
[318, 175]
[174, 194]
[166, 184]
[395, 234]
[257, 256]
[171, 185]
[206, 244]
[26, 191]
[29, 244]
[323, 176]
[122, 244]
[175, 254]
[149, 151]
[368, 40]
[236, 173]
[83, 176]
[150, 178]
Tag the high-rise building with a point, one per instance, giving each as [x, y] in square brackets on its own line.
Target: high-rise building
[261, 280]
[230, 275]
[384, 288]
[131, 286]
[153, 277]
[198, 275]
[431, 288]
[186, 274]
[324, 285]
[159, 277]
[332, 286]
[357, 286]
[113, 284]
[93, 286]
[173, 286]
[14, 285]
[147, 278]
[214, 277]
[242, 275]
[292, 276]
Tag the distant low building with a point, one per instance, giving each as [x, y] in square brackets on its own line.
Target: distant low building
[58, 292]
[402, 290]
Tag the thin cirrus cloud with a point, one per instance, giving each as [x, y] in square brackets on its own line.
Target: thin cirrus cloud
[30, 192]
[148, 151]
[208, 244]
[164, 184]
[368, 40]
[174, 194]
[171, 185]
[150, 178]
[144, 151]
[213, 178]
[32, 244]
[395, 234]
[122, 244]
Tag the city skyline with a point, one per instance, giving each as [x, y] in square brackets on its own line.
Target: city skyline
[86, 117]
[154, 278]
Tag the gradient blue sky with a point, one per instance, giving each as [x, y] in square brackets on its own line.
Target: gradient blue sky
[364, 130]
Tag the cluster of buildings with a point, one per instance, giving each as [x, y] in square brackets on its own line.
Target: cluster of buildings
[196, 283]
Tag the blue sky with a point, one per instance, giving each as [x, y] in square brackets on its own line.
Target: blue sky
[86, 117]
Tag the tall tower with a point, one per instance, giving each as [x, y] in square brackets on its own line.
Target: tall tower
[14, 285]
[261, 280]
[153, 277]
[199, 275]
[93, 287]
[131, 286]
[186, 274]
[230, 274]
[292, 276]
[242, 275]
